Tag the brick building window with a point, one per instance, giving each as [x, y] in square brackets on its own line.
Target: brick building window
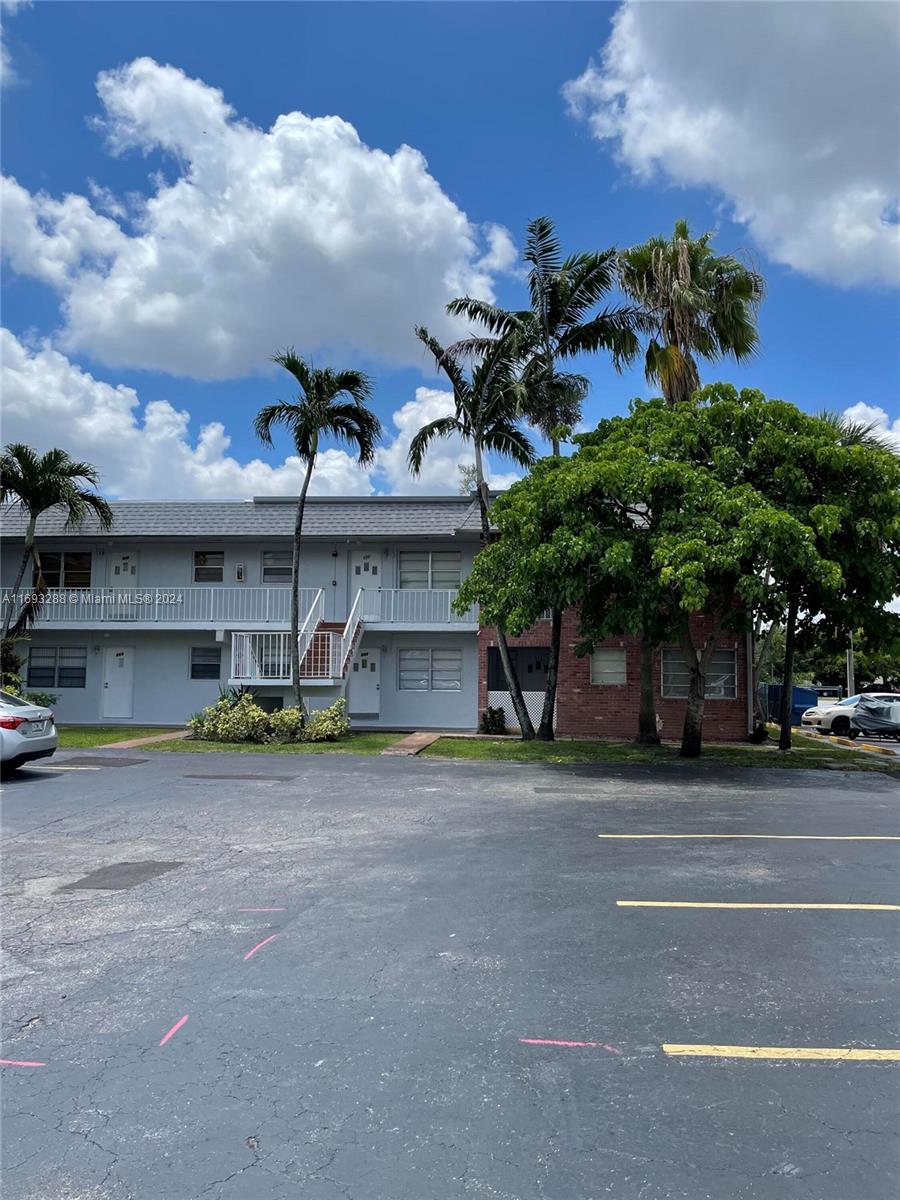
[721, 679]
[530, 664]
[608, 665]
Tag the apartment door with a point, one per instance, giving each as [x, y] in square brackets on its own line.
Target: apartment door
[118, 682]
[123, 569]
[365, 682]
[365, 572]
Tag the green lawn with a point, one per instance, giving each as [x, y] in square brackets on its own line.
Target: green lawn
[356, 743]
[807, 753]
[72, 737]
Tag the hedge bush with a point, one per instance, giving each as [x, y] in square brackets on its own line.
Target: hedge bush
[236, 717]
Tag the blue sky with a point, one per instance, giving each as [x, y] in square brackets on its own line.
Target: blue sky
[478, 90]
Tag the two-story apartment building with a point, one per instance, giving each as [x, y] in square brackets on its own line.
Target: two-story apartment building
[145, 622]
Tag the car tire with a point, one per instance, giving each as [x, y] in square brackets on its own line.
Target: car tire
[853, 734]
[840, 726]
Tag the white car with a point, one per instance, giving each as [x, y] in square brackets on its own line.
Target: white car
[27, 732]
[833, 716]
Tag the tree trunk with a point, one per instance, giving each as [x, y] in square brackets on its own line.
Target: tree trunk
[12, 601]
[787, 685]
[512, 680]
[648, 734]
[295, 585]
[545, 729]
[692, 735]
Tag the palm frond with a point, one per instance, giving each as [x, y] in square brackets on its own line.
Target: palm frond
[442, 427]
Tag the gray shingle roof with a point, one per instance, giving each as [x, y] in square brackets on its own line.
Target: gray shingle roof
[325, 517]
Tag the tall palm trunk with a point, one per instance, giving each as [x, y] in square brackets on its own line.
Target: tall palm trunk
[295, 584]
[787, 686]
[648, 734]
[13, 596]
[545, 729]
[512, 680]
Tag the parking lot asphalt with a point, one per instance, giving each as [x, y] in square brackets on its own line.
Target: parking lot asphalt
[382, 979]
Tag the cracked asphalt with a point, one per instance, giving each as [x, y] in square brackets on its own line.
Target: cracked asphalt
[434, 915]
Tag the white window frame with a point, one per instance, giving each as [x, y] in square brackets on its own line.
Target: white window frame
[598, 672]
[204, 678]
[668, 694]
[195, 567]
[281, 580]
[57, 651]
[429, 672]
[63, 586]
[430, 555]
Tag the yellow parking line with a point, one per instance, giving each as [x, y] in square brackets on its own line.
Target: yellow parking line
[709, 904]
[844, 1054]
[773, 837]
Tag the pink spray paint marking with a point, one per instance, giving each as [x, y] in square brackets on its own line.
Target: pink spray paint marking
[551, 1042]
[174, 1029]
[260, 945]
[260, 910]
[15, 1062]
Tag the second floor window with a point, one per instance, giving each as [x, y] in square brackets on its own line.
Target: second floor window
[430, 569]
[209, 566]
[65, 569]
[276, 566]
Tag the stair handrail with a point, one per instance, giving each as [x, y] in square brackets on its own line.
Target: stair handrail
[348, 636]
[309, 626]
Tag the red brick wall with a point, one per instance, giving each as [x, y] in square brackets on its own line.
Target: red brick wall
[585, 709]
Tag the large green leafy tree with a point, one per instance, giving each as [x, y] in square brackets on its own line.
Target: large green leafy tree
[704, 507]
[486, 405]
[562, 323]
[39, 482]
[328, 404]
[697, 305]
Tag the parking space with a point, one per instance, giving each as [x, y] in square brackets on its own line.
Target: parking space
[389, 978]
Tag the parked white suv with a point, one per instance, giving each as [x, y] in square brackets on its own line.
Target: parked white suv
[27, 732]
[833, 716]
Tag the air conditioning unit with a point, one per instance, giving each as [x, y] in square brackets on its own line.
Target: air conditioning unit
[239, 572]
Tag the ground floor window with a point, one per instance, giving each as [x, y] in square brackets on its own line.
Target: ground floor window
[57, 666]
[721, 678]
[608, 665]
[423, 670]
[530, 664]
[206, 662]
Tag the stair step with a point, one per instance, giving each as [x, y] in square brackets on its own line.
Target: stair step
[330, 627]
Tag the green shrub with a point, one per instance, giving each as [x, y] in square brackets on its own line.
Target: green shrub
[286, 725]
[328, 724]
[493, 720]
[44, 699]
[230, 720]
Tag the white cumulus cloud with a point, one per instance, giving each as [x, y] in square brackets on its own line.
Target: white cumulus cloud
[871, 414]
[8, 74]
[297, 235]
[147, 451]
[790, 110]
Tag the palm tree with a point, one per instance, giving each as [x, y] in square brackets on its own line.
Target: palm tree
[564, 294]
[696, 304]
[561, 323]
[39, 482]
[486, 406]
[328, 404]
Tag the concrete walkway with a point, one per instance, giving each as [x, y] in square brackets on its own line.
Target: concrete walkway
[412, 744]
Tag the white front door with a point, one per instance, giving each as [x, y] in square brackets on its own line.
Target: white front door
[118, 682]
[123, 569]
[365, 572]
[365, 682]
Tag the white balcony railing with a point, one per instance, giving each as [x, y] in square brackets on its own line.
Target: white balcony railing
[194, 605]
[414, 606]
[257, 657]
